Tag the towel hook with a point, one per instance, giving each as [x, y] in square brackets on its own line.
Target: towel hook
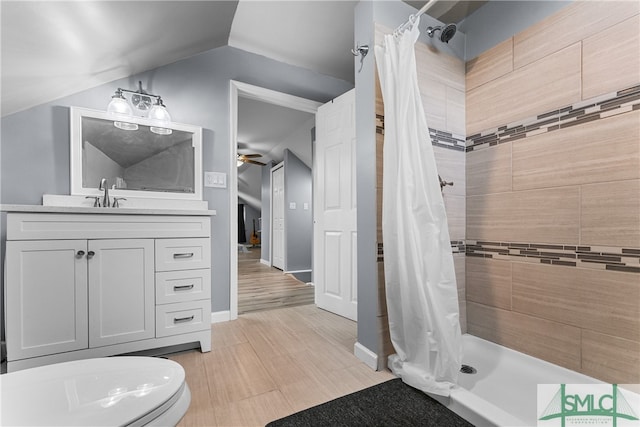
[360, 51]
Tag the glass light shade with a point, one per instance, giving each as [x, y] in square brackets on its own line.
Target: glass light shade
[125, 125]
[119, 105]
[161, 131]
[161, 116]
[160, 113]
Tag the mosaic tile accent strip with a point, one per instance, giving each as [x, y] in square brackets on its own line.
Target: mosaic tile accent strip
[438, 138]
[600, 107]
[457, 247]
[595, 257]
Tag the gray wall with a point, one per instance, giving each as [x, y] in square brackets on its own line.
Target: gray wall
[34, 156]
[496, 21]
[366, 182]
[298, 232]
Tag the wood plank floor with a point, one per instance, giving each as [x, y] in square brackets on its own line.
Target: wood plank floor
[261, 287]
[270, 364]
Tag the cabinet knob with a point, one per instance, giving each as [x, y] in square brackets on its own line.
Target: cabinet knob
[90, 254]
[80, 254]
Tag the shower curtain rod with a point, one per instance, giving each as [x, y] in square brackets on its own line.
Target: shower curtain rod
[413, 17]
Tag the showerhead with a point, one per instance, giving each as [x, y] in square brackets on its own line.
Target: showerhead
[446, 33]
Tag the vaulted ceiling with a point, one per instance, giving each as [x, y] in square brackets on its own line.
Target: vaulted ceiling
[51, 49]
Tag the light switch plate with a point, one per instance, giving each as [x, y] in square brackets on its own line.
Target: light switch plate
[215, 179]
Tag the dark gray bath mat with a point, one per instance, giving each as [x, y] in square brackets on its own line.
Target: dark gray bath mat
[389, 404]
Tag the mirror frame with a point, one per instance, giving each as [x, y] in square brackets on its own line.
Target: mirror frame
[75, 142]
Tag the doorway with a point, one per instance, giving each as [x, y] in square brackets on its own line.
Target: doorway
[246, 91]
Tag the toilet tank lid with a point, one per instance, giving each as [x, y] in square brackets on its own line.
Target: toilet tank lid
[103, 391]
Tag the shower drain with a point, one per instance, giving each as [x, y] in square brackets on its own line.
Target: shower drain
[466, 369]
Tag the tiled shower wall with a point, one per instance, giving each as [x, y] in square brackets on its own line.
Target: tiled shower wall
[441, 79]
[553, 191]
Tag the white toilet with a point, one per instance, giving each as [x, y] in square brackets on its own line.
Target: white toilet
[110, 391]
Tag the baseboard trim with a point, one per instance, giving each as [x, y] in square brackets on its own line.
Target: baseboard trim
[297, 271]
[367, 356]
[265, 262]
[220, 316]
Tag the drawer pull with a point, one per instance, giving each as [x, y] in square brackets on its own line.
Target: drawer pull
[183, 287]
[183, 319]
[184, 255]
[90, 254]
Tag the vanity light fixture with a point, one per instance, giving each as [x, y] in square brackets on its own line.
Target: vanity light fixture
[147, 104]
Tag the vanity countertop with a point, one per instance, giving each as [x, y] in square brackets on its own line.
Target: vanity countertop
[106, 211]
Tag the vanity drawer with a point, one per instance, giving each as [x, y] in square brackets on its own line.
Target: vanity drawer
[182, 317]
[183, 285]
[182, 254]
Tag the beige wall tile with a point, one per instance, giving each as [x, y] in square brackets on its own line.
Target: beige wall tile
[602, 301]
[434, 99]
[385, 341]
[536, 216]
[552, 82]
[490, 65]
[446, 69]
[382, 293]
[489, 170]
[489, 282]
[551, 341]
[602, 150]
[379, 159]
[454, 206]
[610, 59]
[610, 359]
[455, 111]
[610, 214]
[459, 261]
[571, 24]
[379, 216]
[462, 306]
[451, 165]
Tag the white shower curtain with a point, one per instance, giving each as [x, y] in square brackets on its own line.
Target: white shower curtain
[422, 296]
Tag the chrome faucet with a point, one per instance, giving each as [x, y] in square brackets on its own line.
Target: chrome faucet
[105, 187]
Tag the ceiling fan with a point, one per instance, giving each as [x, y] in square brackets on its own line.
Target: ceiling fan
[247, 158]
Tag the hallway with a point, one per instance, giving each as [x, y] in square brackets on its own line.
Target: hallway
[261, 287]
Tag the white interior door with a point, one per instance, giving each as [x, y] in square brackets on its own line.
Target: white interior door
[277, 217]
[335, 232]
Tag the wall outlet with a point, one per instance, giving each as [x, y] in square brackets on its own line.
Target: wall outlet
[215, 179]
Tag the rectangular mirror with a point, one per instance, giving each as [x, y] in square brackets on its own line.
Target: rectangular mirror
[136, 163]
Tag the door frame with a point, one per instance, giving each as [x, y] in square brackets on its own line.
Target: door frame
[245, 90]
[284, 243]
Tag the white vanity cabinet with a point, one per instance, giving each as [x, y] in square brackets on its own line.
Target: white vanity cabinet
[46, 297]
[121, 291]
[100, 284]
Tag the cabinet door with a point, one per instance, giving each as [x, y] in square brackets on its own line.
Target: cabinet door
[121, 291]
[46, 297]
